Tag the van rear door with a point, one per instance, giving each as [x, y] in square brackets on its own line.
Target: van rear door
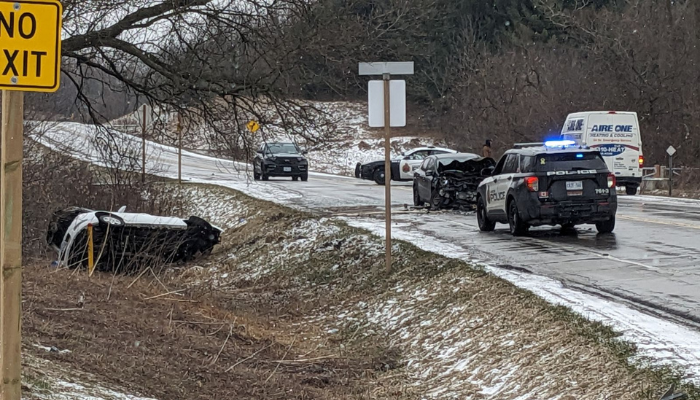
[616, 136]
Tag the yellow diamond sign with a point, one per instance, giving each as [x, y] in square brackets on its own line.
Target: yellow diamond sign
[253, 126]
[30, 45]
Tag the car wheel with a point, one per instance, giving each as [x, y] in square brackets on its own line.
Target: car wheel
[295, 178]
[416, 197]
[606, 226]
[108, 219]
[518, 227]
[305, 177]
[631, 190]
[379, 176]
[358, 170]
[482, 218]
[435, 200]
[263, 175]
[256, 175]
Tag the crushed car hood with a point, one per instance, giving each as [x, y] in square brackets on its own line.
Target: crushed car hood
[457, 182]
[471, 167]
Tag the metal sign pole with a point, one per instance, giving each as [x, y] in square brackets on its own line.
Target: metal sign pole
[143, 146]
[179, 148]
[387, 167]
[11, 244]
[670, 175]
[670, 151]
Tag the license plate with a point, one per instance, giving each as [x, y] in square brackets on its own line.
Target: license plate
[574, 185]
[287, 169]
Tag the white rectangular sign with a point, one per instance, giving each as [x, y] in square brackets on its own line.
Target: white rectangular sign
[381, 68]
[397, 103]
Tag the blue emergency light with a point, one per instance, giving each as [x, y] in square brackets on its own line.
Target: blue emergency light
[559, 143]
[579, 155]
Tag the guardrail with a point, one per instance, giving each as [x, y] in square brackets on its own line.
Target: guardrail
[651, 176]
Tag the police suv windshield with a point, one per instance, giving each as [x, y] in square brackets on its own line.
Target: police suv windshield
[282, 148]
[569, 161]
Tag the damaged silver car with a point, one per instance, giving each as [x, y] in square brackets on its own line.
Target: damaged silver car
[126, 242]
[450, 180]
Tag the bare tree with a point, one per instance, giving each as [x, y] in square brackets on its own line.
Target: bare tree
[212, 61]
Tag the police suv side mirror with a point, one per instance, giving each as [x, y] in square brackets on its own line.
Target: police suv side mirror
[487, 171]
[304, 152]
[429, 173]
[259, 151]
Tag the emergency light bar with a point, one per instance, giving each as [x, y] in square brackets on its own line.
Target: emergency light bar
[521, 145]
[559, 143]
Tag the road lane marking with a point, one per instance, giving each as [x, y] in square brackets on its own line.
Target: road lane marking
[656, 221]
[558, 246]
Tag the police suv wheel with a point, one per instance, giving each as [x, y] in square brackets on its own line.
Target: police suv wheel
[606, 226]
[379, 176]
[358, 170]
[482, 218]
[517, 226]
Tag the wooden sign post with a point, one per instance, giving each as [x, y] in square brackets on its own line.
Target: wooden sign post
[30, 59]
[387, 108]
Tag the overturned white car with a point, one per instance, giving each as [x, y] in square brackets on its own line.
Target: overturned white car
[126, 242]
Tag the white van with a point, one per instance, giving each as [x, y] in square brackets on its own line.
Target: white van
[616, 135]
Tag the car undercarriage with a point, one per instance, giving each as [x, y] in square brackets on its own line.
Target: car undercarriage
[124, 247]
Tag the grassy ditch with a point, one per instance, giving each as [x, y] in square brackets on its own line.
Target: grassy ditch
[316, 270]
[294, 305]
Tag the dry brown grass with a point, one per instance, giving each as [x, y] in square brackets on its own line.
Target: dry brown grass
[261, 319]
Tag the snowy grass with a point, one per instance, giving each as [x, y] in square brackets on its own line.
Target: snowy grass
[45, 380]
[454, 331]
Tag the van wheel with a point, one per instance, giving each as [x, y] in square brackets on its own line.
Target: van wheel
[482, 218]
[358, 170]
[606, 226]
[631, 190]
[518, 227]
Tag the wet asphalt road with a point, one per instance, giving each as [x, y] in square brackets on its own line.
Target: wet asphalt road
[651, 261]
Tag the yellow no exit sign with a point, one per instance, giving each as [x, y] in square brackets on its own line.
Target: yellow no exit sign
[30, 45]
